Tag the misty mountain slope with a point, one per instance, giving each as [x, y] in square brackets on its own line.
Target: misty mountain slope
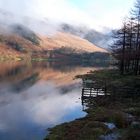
[12, 44]
[7, 52]
[20, 44]
[25, 33]
[49, 27]
[69, 41]
[97, 38]
[76, 43]
[18, 39]
[17, 46]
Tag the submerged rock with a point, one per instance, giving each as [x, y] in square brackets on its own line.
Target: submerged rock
[135, 124]
[110, 126]
[112, 136]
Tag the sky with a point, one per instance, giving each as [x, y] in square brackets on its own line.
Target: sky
[93, 13]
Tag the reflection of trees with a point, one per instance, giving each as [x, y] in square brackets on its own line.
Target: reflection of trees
[23, 74]
[17, 70]
[25, 83]
[67, 66]
[63, 65]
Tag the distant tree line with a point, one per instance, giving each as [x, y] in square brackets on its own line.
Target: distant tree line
[73, 55]
[126, 45]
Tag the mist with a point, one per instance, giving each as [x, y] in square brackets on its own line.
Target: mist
[45, 16]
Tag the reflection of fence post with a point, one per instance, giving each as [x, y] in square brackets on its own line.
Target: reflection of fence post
[82, 98]
[82, 92]
[105, 88]
[113, 93]
[90, 91]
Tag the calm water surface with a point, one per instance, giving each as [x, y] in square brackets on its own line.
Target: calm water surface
[37, 96]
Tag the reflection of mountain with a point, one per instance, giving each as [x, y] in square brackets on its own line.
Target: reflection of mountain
[32, 99]
[12, 72]
[23, 76]
[16, 72]
[27, 115]
[25, 83]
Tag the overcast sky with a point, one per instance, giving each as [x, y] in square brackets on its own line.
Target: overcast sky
[94, 13]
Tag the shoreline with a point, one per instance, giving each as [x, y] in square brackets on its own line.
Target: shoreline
[120, 111]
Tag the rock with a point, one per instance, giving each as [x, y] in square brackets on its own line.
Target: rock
[112, 136]
[130, 118]
[135, 124]
[110, 126]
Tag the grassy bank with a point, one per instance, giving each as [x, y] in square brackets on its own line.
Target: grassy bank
[10, 58]
[120, 109]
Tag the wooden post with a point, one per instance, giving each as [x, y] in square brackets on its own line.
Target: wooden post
[90, 91]
[97, 91]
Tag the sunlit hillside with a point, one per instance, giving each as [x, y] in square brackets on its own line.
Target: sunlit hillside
[75, 42]
[23, 42]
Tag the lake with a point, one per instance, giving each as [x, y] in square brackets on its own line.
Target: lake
[36, 96]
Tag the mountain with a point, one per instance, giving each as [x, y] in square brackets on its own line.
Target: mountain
[67, 40]
[26, 33]
[20, 41]
[97, 38]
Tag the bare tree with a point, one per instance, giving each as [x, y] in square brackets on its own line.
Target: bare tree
[126, 46]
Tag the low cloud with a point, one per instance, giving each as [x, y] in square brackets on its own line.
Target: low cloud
[93, 14]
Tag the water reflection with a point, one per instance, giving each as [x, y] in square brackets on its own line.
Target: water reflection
[40, 106]
[34, 97]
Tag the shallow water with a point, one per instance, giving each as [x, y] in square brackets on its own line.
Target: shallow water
[37, 96]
